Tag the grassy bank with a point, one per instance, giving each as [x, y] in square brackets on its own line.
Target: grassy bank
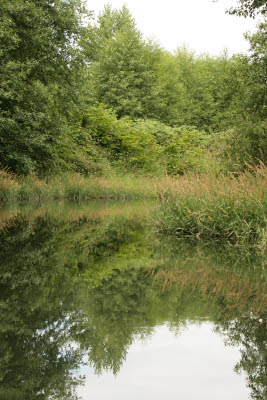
[226, 207]
[215, 207]
[74, 186]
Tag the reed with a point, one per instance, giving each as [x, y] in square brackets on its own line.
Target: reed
[227, 207]
[74, 186]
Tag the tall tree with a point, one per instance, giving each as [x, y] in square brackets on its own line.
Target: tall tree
[40, 64]
[123, 79]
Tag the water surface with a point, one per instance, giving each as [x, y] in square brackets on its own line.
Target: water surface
[94, 305]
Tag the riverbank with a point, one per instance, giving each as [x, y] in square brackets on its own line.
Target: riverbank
[73, 186]
[214, 207]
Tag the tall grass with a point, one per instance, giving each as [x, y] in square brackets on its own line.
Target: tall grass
[217, 207]
[228, 207]
[74, 186]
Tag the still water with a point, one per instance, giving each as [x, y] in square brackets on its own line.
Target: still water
[94, 305]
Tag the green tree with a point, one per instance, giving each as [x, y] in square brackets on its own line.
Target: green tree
[171, 88]
[40, 67]
[123, 79]
[257, 94]
[249, 8]
[246, 138]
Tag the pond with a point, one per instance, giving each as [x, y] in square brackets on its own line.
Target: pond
[95, 305]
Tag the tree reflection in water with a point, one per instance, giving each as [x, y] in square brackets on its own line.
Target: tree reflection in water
[90, 280]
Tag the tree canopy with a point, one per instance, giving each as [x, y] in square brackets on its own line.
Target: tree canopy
[249, 8]
[40, 64]
[89, 97]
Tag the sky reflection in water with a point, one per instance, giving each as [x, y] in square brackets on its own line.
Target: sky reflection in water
[195, 364]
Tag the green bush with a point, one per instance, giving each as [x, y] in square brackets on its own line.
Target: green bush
[147, 145]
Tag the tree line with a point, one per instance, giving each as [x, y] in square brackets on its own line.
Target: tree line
[91, 96]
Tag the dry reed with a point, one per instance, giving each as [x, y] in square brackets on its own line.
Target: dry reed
[229, 206]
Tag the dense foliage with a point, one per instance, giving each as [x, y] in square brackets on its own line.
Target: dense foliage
[40, 68]
[93, 97]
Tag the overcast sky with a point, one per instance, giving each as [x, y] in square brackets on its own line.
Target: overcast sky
[202, 24]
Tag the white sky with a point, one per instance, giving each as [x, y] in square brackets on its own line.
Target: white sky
[201, 24]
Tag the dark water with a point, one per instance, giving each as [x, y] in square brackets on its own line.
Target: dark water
[93, 305]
